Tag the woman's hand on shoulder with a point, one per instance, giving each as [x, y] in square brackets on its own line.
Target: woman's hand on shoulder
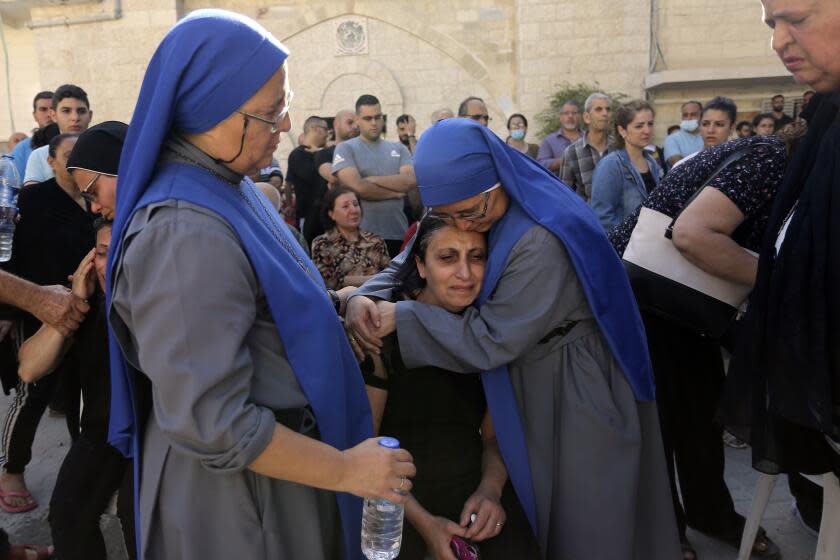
[489, 514]
[373, 471]
[438, 533]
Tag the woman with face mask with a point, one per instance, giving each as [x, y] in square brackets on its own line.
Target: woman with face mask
[517, 126]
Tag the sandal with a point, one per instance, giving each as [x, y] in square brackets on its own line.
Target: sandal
[9, 508]
[29, 552]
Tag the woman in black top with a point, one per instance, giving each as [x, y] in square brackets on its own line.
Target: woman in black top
[92, 470]
[54, 233]
[442, 419]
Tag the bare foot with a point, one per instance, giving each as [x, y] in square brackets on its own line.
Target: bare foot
[10, 482]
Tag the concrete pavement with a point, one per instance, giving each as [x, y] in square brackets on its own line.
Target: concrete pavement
[52, 441]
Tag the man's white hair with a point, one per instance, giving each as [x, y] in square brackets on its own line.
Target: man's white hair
[587, 106]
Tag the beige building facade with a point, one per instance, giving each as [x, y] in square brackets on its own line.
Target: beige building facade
[415, 56]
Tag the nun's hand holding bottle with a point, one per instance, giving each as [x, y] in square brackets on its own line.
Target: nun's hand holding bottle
[373, 471]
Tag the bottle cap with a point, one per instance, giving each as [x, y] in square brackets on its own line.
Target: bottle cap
[390, 443]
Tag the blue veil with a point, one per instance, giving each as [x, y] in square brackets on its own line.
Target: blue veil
[457, 159]
[207, 66]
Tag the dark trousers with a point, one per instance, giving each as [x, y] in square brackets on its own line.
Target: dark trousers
[689, 376]
[22, 419]
[809, 499]
[90, 474]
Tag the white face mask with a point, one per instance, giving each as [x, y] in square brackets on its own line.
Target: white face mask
[690, 126]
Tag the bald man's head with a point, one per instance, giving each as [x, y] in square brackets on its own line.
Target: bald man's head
[345, 125]
[271, 193]
[441, 114]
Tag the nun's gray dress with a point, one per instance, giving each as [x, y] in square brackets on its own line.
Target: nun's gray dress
[189, 313]
[595, 452]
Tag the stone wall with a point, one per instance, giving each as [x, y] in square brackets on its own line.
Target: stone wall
[712, 34]
[107, 59]
[715, 47]
[420, 56]
[24, 79]
[601, 41]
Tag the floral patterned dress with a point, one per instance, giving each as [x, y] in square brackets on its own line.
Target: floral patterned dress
[338, 258]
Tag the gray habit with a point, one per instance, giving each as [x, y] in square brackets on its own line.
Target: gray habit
[595, 452]
[190, 314]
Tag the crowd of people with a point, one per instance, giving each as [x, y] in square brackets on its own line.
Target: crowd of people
[227, 343]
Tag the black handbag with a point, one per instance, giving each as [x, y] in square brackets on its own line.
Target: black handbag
[667, 285]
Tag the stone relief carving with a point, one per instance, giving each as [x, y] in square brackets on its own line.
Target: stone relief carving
[351, 36]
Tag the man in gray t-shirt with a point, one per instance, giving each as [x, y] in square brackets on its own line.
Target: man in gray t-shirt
[381, 172]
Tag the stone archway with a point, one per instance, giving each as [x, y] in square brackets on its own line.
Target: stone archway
[395, 14]
[382, 82]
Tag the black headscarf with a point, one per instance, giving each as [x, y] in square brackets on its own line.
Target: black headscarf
[98, 148]
[784, 386]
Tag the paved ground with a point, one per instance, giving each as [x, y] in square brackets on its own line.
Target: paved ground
[52, 441]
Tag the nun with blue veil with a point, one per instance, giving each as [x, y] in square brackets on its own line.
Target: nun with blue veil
[557, 338]
[233, 384]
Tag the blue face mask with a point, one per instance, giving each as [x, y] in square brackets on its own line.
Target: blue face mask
[690, 126]
[517, 134]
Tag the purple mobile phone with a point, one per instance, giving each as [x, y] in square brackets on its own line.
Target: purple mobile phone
[464, 550]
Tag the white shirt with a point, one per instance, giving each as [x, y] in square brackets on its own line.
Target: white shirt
[38, 168]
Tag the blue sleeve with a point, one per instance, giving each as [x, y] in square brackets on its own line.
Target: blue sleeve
[20, 155]
[672, 147]
[546, 153]
[607, 186]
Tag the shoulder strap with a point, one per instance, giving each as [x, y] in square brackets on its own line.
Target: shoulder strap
[733, 157]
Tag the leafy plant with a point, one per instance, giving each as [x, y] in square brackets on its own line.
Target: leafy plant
[550, 118]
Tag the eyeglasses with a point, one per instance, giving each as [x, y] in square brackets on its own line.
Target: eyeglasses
[278, 119]
[469, 215]
[485, 118]
[85, 192]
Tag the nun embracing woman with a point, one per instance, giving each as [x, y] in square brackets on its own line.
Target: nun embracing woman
[557, 335]
[251, 436]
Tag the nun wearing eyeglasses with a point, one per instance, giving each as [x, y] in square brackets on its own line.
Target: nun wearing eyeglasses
[252, 436]
[559, 343]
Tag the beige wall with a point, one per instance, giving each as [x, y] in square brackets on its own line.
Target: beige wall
[107, 59]
[715, 47]
[426, 55]
[712, 34]
[603, 41]
[25, 80]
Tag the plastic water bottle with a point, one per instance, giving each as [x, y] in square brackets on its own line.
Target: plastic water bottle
[9, 188]
[382, 522]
